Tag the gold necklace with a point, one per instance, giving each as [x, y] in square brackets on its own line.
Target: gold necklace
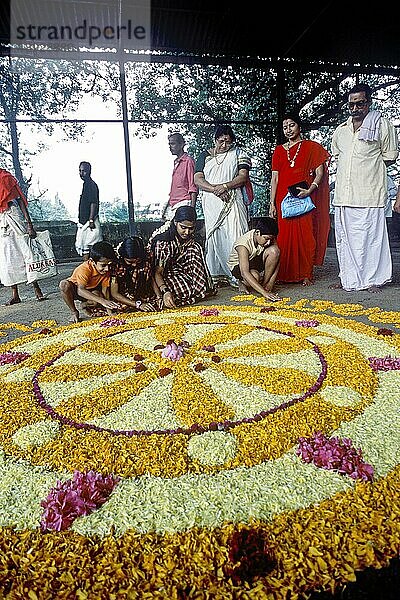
[292, 160]
[224, 157]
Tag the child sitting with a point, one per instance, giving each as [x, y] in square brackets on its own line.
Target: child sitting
[254, 260]
[90, 281]
[132, 278]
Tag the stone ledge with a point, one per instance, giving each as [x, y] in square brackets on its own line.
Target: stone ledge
[63, 233]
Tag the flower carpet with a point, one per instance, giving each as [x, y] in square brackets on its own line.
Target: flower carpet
[242, 451]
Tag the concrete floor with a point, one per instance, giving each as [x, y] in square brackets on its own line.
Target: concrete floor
[30, 310]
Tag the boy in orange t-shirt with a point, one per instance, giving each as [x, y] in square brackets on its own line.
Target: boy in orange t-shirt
[91, 281]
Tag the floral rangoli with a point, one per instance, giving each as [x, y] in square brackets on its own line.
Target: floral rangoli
[219, 452]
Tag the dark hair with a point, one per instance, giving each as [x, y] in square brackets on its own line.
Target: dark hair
[102, 250]
[224, 130]
[294, 116]
[86, 164]
[183, 213]
[132, 247]
[362, 87]
[179, 137]
[268, 226]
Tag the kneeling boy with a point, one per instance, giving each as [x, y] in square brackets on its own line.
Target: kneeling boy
[91, 281]
[254, 260]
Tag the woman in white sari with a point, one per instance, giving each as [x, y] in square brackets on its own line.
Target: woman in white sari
[220, 174]
[15, 226]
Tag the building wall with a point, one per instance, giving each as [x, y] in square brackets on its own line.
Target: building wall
[63, 234]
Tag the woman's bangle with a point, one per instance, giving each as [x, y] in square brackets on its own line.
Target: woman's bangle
[226, 186]
[316, 184]
[166, 292]
[163, 288]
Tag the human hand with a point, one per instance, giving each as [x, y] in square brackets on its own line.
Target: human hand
[92, 225]
[272, 297]
[31, 231]
[272, 211]
[147, 307]
[110, 304]
[302, 193]
[221, 190]
[169, 300]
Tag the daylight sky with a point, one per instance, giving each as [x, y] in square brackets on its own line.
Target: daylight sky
[55, 169]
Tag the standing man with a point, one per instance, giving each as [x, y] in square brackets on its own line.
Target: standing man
[89, 228]
[183, 190]
[364, 146]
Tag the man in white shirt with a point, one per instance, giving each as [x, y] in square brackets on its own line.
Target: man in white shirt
[363, 146]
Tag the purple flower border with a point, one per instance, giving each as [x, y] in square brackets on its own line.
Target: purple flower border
[195, 428]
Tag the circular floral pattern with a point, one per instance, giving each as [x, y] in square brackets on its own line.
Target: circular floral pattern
[169, 452]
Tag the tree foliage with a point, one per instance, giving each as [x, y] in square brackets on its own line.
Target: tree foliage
[114, 212]
[38, 90]
[194, 98]
[191, 98]
[50, 210]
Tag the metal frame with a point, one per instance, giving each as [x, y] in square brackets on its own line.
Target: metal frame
[121, 57]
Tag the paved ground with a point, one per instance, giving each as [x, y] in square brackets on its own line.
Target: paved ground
[53, 307]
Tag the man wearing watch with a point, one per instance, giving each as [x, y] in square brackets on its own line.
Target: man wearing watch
[89, 228]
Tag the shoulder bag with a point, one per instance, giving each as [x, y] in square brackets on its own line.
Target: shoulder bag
[292, 206]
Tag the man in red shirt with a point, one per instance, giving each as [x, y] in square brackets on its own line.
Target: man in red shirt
[183, 190]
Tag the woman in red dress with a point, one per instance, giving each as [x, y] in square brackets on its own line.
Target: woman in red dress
[302, 240]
